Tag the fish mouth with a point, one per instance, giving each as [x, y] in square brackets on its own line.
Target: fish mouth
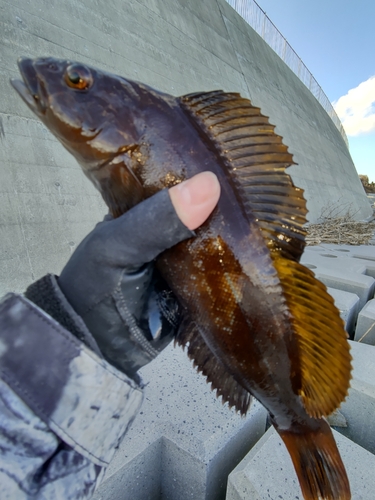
[31, 88]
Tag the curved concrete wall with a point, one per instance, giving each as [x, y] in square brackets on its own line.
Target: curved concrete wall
[177, 46]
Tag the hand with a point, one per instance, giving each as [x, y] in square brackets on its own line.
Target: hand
[110, 280]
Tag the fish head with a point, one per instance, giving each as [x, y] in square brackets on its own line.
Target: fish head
[94, 114]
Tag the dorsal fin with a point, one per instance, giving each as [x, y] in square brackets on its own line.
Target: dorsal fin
[211, 367]
[324, 350]
[255, 158]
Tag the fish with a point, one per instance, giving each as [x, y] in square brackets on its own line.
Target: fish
[256, 323]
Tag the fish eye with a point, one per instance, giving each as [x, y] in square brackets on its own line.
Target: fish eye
[78, 77]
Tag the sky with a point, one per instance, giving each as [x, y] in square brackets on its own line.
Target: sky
[336, 41]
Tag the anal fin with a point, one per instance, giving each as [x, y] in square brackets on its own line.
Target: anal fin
[213, 369]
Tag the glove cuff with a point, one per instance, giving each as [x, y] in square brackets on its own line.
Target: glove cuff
[47, 295]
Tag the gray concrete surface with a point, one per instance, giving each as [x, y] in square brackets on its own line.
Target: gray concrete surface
[348, 305]
[359, 407]
[361, 285]
[184, 443]
[364, 252]
[47, 206]
[365, 330]
[348, 271]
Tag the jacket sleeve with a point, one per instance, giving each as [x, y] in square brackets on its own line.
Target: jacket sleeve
[63, 409]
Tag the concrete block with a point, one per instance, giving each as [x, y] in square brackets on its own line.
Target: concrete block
[362, 257]
[332, 260]
[267, 471]
[369, 264]
[366, 252]
[365, 330]
[348, 281]
[359, 407]
[184, 443]
[348, 305]
[363, 368]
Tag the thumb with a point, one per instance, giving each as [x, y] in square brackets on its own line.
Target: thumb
[195, 199]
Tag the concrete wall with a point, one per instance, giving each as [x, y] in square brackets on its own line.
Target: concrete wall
[178, 46]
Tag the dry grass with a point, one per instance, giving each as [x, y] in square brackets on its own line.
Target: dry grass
[339, 228]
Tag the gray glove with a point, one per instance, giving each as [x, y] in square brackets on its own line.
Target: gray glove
[111, 284]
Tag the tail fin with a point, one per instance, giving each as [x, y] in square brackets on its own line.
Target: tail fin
[317, 462]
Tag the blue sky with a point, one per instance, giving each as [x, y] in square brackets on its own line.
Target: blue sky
[336, 41]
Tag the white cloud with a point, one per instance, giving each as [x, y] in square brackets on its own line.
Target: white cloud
[356, 109]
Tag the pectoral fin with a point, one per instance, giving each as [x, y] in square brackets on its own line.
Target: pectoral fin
[118, 185]
[325, 360]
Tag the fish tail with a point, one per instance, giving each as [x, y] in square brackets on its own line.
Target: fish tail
[317, 462]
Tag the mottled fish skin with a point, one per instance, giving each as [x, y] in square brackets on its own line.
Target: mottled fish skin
[245, 296]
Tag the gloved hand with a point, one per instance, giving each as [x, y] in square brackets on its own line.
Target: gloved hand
[112, 285]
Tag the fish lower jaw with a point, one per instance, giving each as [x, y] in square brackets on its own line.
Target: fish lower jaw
[32, 101]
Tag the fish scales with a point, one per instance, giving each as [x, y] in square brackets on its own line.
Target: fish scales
[255, 321]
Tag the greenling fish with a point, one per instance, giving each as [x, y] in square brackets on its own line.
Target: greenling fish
[256, 322]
